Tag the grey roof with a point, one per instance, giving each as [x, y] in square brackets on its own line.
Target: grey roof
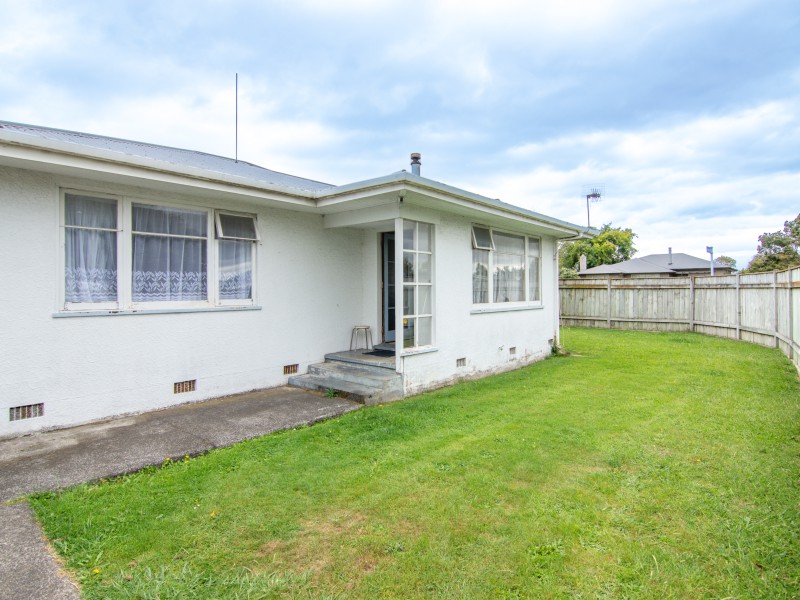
[173, 156]
[424, 182]
[201, 164]
[656, 263]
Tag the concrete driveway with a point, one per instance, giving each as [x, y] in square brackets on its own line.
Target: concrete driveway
[58, 459]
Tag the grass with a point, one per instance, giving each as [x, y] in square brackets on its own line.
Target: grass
[644, 465]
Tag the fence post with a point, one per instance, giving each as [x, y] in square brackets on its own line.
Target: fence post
[775, 314]
[691, 302]
[608, 301]
[790, 294]
[738, 307]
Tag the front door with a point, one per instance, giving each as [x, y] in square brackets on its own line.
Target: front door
[387, 285]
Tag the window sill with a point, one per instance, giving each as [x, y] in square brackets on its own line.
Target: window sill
[420, 350]
[150, 311]
[505, 308]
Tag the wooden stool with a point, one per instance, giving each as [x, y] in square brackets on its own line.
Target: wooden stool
[367, 336]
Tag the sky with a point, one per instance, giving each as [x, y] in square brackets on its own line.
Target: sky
[685, 112]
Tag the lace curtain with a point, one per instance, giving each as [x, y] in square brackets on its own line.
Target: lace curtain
[235, 270]
[509, 268]
[169, 254]
[534, 290]
[91, 249]
[480, 276]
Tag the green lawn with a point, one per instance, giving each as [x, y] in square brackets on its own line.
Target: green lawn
[643, 465]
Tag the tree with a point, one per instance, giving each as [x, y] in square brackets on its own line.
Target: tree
[726, 261]
[777, 250]
[612, 245]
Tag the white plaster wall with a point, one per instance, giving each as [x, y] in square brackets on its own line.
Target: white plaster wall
[483, 339]
[309, 288]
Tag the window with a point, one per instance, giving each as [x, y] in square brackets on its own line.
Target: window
[505, 267]
[90, 246]
[236, 235]
[534, 268]
[169, 254]
[482, 238]
[417, 284]
[508, 275]
[121, 254]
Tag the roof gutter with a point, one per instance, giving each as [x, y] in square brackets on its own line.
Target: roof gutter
[18, 146]
[445, 192]
[49, 147]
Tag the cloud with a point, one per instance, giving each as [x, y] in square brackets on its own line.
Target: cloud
[772, 128]
[685, 110]
[30, 30]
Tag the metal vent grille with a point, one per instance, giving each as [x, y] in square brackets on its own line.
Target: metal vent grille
[290, 369]
[181, 387]
[461, 362]
[512, 350]
[29, 411]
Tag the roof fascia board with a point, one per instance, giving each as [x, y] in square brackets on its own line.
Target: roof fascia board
[340, 200]
[44, 152]
[499, 212]
[353, 218]
[405, 182]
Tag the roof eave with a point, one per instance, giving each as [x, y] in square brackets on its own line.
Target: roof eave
[39, 153]
[45, 151]
[406, 181]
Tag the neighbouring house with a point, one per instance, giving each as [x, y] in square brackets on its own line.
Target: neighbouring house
[671, 264]
[140, 276]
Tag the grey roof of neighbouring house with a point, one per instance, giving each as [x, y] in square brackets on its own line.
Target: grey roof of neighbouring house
[173, 156]
[656, 263]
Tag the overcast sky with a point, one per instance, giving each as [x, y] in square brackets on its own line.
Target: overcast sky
[686, 111]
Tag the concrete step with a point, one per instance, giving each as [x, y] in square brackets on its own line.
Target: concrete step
[366, 383]
[359, 358]
[354, 372]
[364, 394]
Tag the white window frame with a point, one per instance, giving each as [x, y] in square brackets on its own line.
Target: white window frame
[219, 229]
[528, 301]
[415, 284]
[128, 242]
[476, 245]
[63, 227]
[220, 236]
[125, 234]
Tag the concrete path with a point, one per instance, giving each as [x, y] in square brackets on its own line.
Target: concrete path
[28, 569]
[67, 457]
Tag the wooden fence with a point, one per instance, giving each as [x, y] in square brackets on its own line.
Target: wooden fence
[762, 308]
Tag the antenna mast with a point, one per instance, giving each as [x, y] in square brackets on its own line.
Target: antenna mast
[236, 149]
[593, 193]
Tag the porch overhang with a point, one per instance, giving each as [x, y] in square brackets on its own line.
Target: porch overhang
[391, 196]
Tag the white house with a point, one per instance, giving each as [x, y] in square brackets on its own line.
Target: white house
[138, 276]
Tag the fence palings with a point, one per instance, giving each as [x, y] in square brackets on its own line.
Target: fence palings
[763, 308]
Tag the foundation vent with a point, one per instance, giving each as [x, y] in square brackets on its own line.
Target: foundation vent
[290, 369]
[512, 350]
[29, 411]
[461, 362]
[181, 387]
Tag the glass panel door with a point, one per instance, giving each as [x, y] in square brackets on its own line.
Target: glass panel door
[388, 287]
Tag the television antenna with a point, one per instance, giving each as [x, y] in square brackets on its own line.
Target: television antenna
[593, 193]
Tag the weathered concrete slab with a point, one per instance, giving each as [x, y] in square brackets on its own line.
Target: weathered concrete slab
[27, 567]
[57, 459]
